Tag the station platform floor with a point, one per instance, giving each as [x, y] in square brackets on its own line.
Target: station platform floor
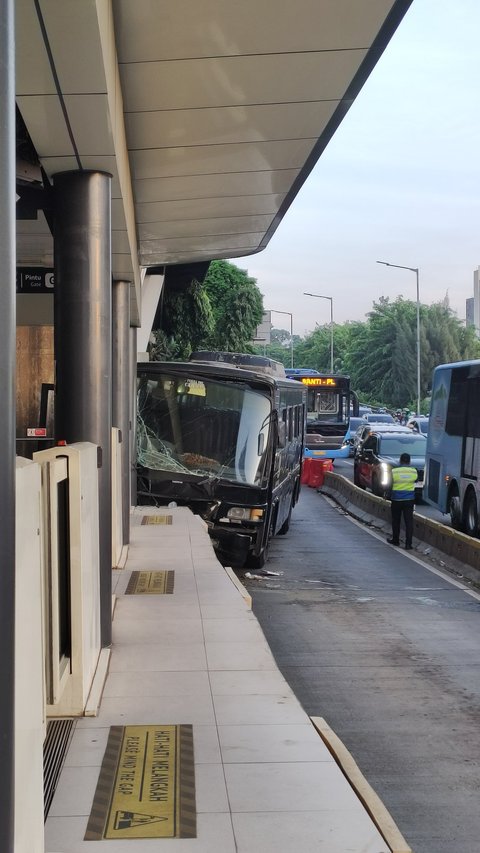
[194, 659]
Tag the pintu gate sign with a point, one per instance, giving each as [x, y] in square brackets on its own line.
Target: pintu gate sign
[35, 280]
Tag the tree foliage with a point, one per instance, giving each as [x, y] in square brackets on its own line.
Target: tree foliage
[222, 314]
[380, 354]
[237, 306]
[187, 322]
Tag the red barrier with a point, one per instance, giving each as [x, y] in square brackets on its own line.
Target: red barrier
[305, 470]
[317, 472]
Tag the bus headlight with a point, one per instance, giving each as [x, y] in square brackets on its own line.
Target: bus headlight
[244, 513]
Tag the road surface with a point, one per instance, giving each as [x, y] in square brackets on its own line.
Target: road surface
[388, 652]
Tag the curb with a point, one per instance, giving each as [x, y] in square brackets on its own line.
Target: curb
[239, 585]
[372, 802]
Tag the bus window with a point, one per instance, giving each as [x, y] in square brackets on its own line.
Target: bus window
[290, 424]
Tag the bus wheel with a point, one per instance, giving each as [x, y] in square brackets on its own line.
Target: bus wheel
[455, 510]
[470, 514]
[257, 561]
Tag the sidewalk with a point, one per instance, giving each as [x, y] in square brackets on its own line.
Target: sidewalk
[264, 780]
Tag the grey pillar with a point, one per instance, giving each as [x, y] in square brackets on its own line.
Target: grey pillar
[133, 415]
[83, 339]
[121, 388]
[7, 421]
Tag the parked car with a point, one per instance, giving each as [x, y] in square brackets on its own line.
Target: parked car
[379, 418]
[350, 433]
[419, 424]
[365, 429]
[381, 451]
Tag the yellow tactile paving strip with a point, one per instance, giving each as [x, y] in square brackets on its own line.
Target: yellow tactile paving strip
[151, 583]
[146, 786]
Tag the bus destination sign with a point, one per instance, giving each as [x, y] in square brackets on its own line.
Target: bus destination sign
[324, 381]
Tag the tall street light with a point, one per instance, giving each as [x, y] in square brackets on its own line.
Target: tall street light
[415, 270]
[274, 311]
[319, 296]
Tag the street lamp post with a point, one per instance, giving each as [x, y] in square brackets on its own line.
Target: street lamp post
[415, 270]
[274, 311]
[319, 296]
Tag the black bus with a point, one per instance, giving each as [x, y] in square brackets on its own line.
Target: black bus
[222, 434]
[330, 404]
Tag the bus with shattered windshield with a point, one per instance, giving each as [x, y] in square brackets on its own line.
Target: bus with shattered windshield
[223, 434]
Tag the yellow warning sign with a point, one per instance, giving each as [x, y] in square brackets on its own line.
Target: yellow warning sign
[150, 583]
[157, 519]
[148, 773]
[145, 775]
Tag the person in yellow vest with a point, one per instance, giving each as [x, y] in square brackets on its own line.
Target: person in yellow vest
[402, 496]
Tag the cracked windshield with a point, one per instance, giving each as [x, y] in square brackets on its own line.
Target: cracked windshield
[202, 427]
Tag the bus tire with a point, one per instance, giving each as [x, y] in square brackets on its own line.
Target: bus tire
[470, 514]
[455, 509]
[257, 561]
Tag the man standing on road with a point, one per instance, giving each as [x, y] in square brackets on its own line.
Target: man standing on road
[402, 496]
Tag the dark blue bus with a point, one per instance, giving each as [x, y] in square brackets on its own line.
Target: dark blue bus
[223, 434]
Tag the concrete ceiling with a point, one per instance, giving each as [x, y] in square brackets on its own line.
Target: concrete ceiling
[209, 115]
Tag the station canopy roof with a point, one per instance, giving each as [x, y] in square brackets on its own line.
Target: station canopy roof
[209, 114]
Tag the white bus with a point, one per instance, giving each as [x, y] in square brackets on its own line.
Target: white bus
[452, 468]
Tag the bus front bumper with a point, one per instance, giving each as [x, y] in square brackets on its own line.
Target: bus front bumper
[231, 546]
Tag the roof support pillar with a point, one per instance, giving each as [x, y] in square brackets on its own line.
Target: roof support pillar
[83, 339]
[7, 420]
[121, 389]
[133, 414]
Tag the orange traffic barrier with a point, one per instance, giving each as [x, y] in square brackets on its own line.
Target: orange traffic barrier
[305, 470]
[317, 472]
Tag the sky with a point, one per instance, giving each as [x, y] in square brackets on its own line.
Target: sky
[399, 181]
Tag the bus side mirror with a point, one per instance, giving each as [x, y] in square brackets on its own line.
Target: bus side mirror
[261, 443]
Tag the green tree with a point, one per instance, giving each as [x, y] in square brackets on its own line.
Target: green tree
[237, 307]
[222, 313]
[187, 322]
[382, 353]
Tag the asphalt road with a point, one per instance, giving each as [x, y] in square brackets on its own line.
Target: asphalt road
[345, 468]
[388, 652]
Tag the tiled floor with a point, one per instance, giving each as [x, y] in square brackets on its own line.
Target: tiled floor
[265, 782]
